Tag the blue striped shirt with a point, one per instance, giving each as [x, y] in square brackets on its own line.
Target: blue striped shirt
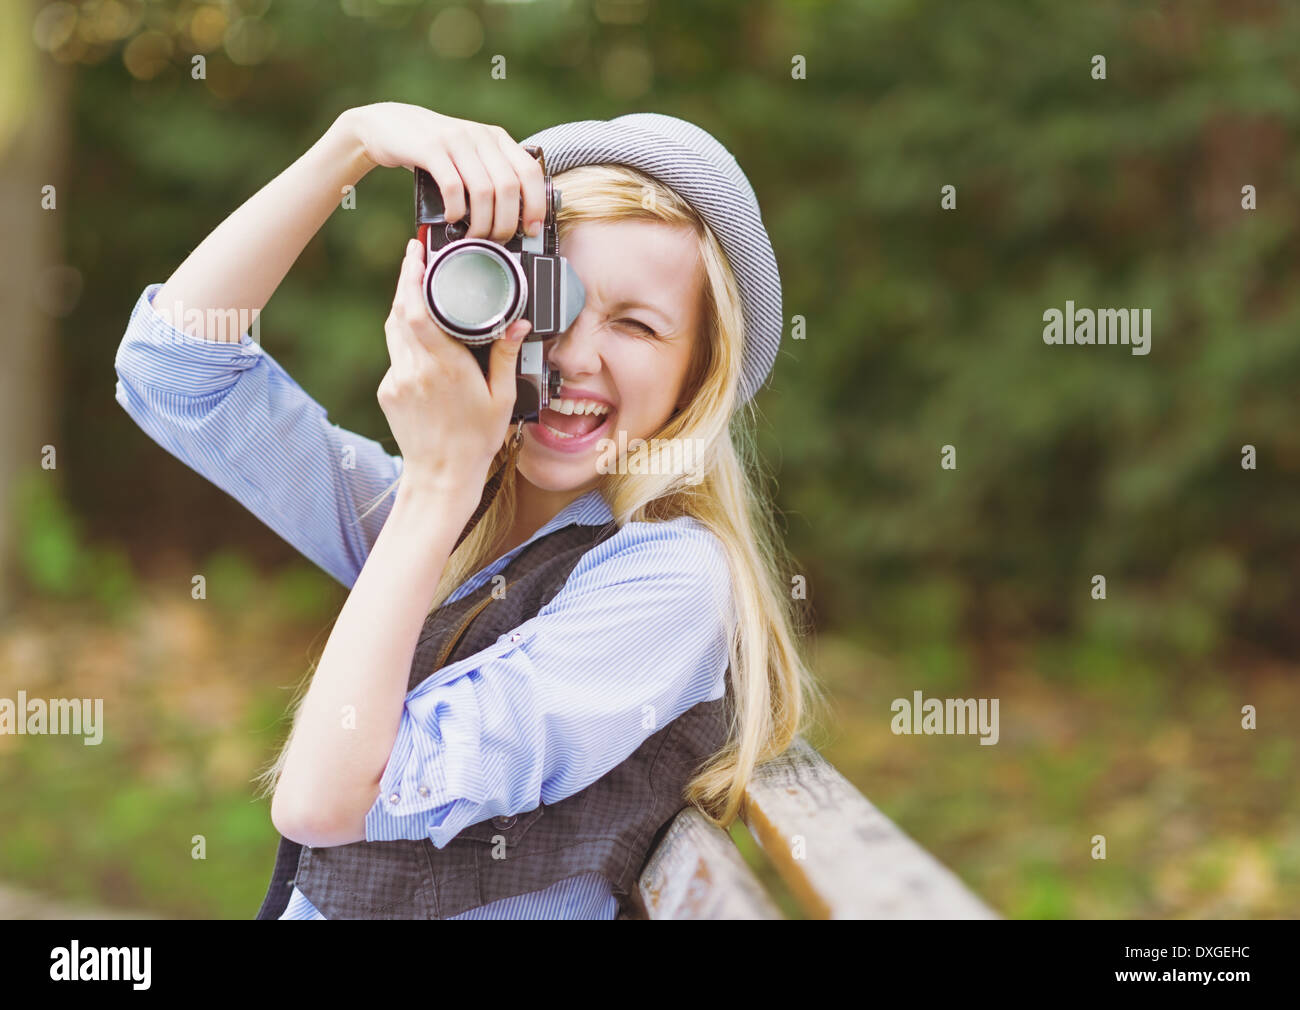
[638, 634]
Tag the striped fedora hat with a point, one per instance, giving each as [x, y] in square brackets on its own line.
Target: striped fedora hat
[691, 162]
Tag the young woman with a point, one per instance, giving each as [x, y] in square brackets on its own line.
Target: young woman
[668, 597]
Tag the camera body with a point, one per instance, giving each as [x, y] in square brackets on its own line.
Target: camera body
[475, 288]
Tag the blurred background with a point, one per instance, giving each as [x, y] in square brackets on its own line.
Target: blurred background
[1120, 717]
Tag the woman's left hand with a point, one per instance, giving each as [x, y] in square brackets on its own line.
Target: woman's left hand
[448, 419]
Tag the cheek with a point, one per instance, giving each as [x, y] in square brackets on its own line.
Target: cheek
[645, 386]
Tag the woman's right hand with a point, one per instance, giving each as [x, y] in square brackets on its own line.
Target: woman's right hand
[462, 156]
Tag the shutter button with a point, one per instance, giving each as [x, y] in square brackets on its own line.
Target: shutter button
[504, 822]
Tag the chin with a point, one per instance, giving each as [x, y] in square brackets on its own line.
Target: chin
[557, 476]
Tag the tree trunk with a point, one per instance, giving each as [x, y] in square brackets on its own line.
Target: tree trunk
[33, 102]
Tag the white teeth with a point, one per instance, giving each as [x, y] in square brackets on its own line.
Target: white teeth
[564, 405]
[555, 432]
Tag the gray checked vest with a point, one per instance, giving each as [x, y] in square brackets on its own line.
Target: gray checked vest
[610, 827]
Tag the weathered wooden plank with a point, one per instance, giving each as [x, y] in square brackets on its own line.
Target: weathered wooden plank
[698, 873]
[842, 857]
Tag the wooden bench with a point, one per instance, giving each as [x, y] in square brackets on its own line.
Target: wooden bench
[838, 855]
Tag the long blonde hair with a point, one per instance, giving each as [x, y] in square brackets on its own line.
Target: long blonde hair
[774, 692]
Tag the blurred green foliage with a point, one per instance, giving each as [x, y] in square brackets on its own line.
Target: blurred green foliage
[54, 557]
[165, 833]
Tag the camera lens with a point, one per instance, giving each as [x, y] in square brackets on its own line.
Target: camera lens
[472, 289]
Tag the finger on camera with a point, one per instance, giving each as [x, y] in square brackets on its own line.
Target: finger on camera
[409, 312]
[501, 364]
[482, 196]
[450, 186]
[403, 278]
[531, 182]
[459, 149]
[410, 279]
[505, 192]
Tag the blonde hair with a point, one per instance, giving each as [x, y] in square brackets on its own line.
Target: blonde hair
[773, 689]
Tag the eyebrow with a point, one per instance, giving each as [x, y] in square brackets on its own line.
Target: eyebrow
[632, 303]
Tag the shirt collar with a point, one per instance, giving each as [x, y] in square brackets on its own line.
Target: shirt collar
[590, 509]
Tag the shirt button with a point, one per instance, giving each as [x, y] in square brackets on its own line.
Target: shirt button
[423, 790]
[515, 637]
[394, 798]
[501, 821]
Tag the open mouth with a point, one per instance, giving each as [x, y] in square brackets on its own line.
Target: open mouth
[572, 424]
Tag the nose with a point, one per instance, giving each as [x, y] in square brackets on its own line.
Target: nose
[576, 351]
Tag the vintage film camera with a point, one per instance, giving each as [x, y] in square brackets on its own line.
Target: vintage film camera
[474, 288]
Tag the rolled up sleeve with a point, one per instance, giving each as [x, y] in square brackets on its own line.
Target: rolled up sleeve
[639, 634]
[231, 413]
